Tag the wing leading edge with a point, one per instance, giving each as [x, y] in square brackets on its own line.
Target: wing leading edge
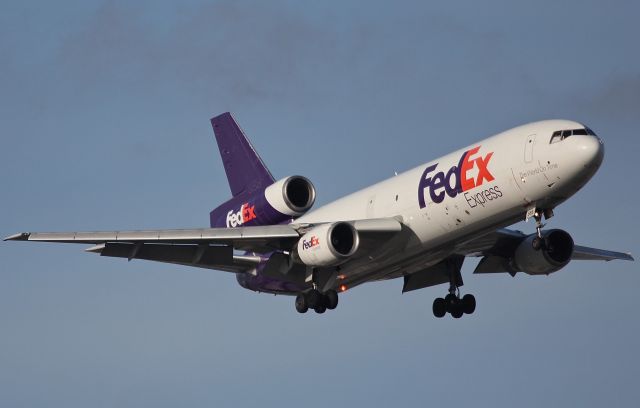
[594, 254]
[271, 237]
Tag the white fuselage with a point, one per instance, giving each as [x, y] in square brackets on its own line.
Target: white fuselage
[466, 194]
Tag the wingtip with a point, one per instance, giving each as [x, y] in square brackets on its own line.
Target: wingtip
[96, 249]
[22, 236]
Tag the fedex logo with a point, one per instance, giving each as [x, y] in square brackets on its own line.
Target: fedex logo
[314, 241]
[457, 179]
[246, 214]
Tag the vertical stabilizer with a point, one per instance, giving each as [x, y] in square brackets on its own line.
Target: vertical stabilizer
[244, 167]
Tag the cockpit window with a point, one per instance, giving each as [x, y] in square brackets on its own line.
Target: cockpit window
[560, 135]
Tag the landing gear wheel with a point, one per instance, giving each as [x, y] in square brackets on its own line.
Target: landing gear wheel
[439, 308]
[321, 308]
[313, 298]
[450, 302]
[468, 303]
[457, 312]
[454, 305]
[301, 304]
[331, 299]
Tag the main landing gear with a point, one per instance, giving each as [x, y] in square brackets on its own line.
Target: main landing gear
[317, 301]
[452, 303]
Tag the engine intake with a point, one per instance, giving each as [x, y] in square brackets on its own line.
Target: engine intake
[328, 244]
[554, 255]
[292, 196]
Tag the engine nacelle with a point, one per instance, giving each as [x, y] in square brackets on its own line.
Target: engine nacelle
[292, 196]
[287, 198]
[328, 244]
[554, 255]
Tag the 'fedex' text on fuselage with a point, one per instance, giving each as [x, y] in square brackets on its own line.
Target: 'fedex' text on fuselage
[457, 180]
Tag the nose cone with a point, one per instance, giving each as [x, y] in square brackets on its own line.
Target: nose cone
[591, 151]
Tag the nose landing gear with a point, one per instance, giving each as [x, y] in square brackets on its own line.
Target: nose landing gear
[539, 242]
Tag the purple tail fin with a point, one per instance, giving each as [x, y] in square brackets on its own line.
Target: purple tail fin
[245, 170]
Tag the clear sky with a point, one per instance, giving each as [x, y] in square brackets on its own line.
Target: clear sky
[105, 107]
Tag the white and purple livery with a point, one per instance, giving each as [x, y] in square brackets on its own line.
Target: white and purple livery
[418, 226]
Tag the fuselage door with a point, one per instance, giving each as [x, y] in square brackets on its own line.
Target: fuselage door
[528, 148]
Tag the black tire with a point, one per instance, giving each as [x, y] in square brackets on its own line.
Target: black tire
[468, 303]
[331, 299]
[439, 308]
[301, 304]
[457, 312]
[313, 298]
[321, 308]
[450, 302]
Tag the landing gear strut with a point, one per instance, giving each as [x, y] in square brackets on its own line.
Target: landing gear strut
[317, 301]
[452, 303]
[539, 242]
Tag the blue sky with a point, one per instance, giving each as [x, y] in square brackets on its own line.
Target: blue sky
[104, 107]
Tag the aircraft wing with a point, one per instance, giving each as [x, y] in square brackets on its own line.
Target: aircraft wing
[501, 244]
[258, 239]
[211, 248]
[594, 254]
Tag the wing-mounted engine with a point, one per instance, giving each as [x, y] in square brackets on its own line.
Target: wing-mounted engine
[554, 254]
[327, 245]
[279, 202]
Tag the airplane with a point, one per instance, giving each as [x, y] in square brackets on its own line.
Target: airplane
[419, 225]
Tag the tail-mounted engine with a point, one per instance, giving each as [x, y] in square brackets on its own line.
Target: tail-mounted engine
[279, 202]
[292, 196]
[552, 255]
[328, 244]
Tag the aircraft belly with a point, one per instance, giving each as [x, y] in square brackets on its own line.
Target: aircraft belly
[396, 261]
